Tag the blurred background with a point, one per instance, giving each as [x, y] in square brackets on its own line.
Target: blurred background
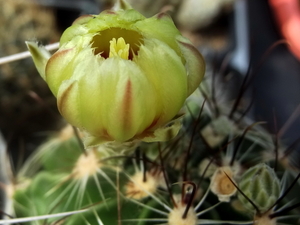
[235, 37]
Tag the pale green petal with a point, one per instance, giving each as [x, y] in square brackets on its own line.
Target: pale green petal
[124, 19]
[135, 101]
[67, 102]
[73, 31]
[40, 56]
[131, 16]
[164, 69]
[60, 67]
[160, 27]
[195, 63]
[88, 105]
[117, 103]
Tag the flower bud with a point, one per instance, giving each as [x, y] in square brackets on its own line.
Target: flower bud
[120, 76]
[261, 185]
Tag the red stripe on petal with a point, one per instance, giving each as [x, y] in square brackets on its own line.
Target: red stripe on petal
[153, 124]
[105, 135]
[62, 104]
[127, 106]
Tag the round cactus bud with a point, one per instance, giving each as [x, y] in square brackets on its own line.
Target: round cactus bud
[261, 185]
[119, 76]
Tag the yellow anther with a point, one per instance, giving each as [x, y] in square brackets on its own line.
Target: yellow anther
[118, 48]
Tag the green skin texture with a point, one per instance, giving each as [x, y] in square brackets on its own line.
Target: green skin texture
[261, 185]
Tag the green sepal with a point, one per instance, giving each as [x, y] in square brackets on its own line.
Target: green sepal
[39, 55]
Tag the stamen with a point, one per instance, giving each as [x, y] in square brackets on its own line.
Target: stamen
[118, 48]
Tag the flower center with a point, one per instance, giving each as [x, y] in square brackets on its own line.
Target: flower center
[118, 48]
[115, 42]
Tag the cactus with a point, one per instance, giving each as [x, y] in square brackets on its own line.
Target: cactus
[261, 185]
[205, 164]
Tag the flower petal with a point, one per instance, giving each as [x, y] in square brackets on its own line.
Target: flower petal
[195, 63]
[128, 98]
[67, 101]
[59, 68]
[71, 32]
[167, 76]
[123, 19]
[110, 104]
[160, 27]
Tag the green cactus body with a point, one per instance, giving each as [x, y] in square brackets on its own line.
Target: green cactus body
[261, 185]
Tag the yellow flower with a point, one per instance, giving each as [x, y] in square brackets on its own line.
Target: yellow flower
[119, 76]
